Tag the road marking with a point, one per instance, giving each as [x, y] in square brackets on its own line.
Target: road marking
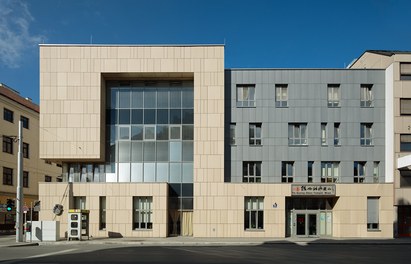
[51, 254]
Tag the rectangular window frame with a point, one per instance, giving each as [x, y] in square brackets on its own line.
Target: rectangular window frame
[310, 171]
[142, 212]
[8, 144]
[373, 207]
[25, 121]
[281, 95]
[333, 95]
[254, 213]
[330, 171]
[366, 96]
[359, 171]
[287, 171]
[405, 106]
[47, 178]
[245, 95]
[255, 134]
[252, 171]
[297, 134]
[25, 179]
[337, 134]
[8, 115]
[324, 134]
[26, 150]
[7, 176]
[376, 172]
[102, 212]
[405, 71]
[366, 134]
[233, 134]
[405, 142]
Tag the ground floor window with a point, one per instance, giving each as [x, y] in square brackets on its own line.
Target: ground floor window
[102, 213]
[372, 213]
[254, 213]
[142, 208]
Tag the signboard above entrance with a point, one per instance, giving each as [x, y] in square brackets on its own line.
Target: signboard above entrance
[313, 189]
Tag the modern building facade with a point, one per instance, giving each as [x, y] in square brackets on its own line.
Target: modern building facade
[397, 65]
[160, 141]
[15, 108]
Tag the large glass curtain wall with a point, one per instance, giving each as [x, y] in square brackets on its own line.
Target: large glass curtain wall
[150, 134]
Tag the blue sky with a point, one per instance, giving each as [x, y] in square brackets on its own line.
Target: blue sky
[257, 34]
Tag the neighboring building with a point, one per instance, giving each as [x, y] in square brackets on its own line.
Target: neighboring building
[161, 140]
[397, 65]
[15, 108]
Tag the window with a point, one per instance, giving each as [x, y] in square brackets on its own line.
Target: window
[8, 115]
[7, 145]
[359, 171]
[25, 150]
[323, 134]
[47, 178]
[254, 213]
[330, 171]
[80, 202]
[405, 106]
[405, 142]
[245, 95]
[366, 95]
[25, 121]
[366, 134]
[25, 179]
[297, 134]
[102, 219]
[232, 134]
[255, 134]
[310, 166]
[372, 213]
[376, 172]
[7, 176]
[281, 95]
[337, 134]
[287, 171]
[405, 71]
[142, 207]
[252, 171]
[333, 95]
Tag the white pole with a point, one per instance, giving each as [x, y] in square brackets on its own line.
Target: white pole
[31, 219]
[19, 194]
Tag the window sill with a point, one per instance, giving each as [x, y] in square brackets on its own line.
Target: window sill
[256, 145]
[142, 230]
[254, 230]
[367, 145]
[373, 230]
[302, 145]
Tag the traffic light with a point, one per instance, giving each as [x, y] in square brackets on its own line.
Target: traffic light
[10, 205]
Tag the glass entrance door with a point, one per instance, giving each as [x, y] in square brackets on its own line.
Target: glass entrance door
[312, 224]
[307, 223]
[300, 225]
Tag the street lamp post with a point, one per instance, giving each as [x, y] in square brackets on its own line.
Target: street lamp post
[19, 193]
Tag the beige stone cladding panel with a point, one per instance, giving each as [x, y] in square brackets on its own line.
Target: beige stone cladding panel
[219, 209]
[350, 211]
[71, 94]
[119, 206]
[372, 61]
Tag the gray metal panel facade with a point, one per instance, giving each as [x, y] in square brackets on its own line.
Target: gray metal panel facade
[307, 103]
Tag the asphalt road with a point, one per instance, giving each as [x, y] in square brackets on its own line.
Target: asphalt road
[275, 253]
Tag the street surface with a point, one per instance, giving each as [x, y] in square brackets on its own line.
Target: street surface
[269, 253]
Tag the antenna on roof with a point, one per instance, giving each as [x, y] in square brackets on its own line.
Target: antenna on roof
[91, 39]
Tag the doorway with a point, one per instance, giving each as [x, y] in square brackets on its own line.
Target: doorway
[404, 221]
[311, 223]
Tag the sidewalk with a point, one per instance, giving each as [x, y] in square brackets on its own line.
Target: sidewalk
[10, 241]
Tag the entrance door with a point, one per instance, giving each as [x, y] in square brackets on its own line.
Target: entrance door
[300, 225]
[404, 221]
[306, 223]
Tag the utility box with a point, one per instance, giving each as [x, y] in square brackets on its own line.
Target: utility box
[78, 224]
[36, 231]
